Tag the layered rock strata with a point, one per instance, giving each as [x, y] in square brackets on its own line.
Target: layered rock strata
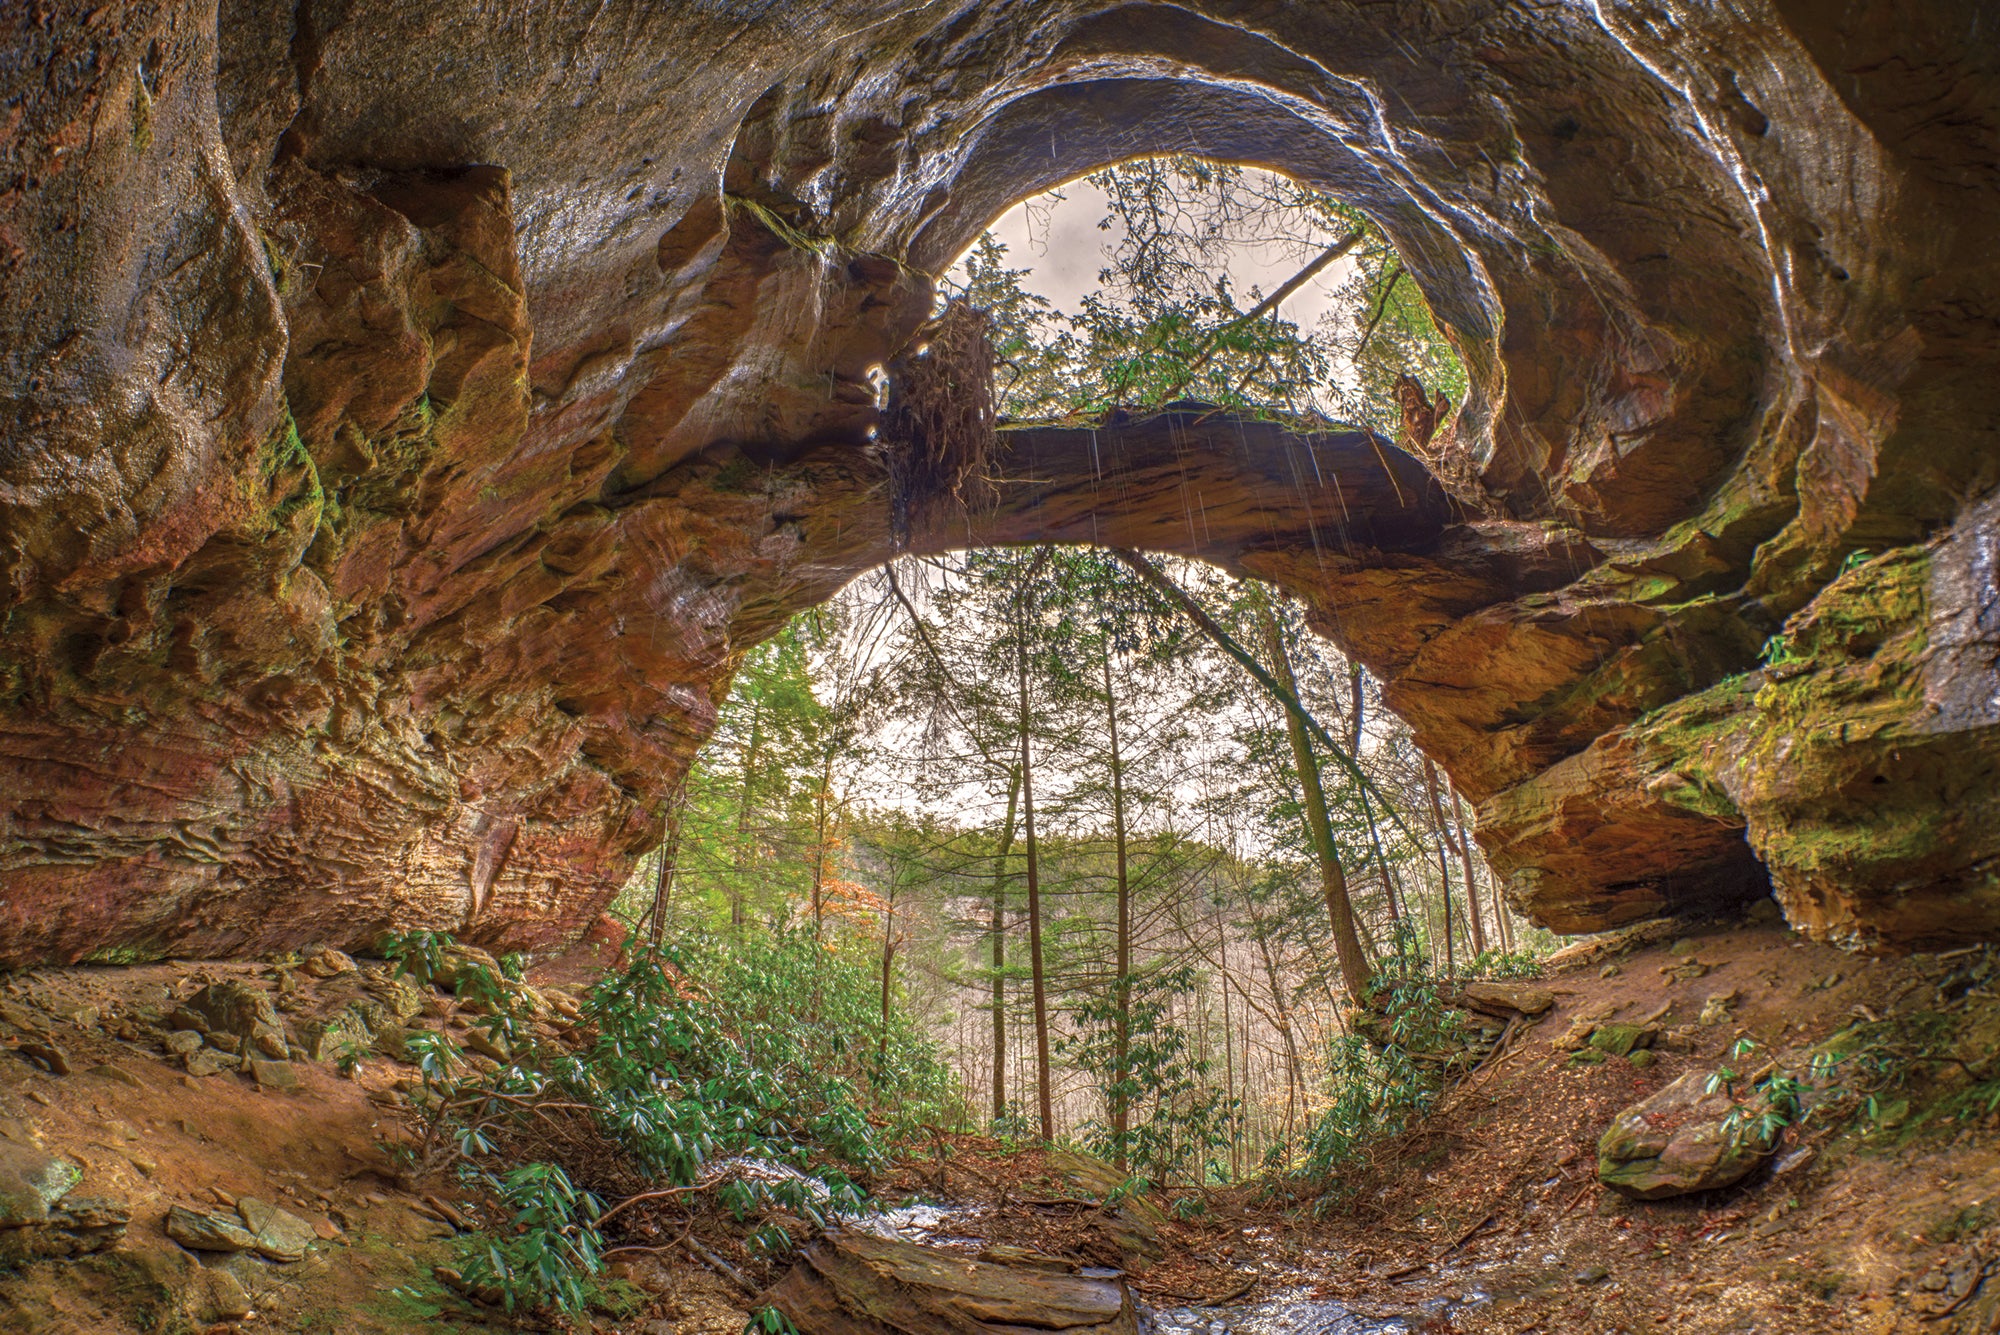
[412, 411]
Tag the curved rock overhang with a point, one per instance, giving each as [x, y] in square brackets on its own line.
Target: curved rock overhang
[413, 410]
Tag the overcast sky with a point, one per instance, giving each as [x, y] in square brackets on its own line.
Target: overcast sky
[1059, 242]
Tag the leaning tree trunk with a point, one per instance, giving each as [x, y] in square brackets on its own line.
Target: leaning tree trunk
[1462, 841]
[1355, 971]
[670, 853]
[859, 1284]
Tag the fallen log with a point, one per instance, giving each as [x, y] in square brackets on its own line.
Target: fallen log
[860, 1284]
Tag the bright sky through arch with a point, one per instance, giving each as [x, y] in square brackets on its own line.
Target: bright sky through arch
[1059, 242]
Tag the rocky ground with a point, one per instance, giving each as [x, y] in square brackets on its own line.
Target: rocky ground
[155, 1177]
[1855, 1221]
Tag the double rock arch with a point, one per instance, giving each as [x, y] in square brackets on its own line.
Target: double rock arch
[417, 408]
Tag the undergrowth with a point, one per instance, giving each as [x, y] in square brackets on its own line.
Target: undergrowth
[756, 1078]
[1386, 1072]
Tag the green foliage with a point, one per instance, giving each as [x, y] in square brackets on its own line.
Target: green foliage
[1497, 965]
[1167, 323]
[1181, 1121]
[553, 1250]
[764, 1050]
[1776, 1100]
[1388, 1070]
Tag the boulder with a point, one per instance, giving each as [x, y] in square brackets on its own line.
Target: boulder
[1506, 999]
[236, 1010]
[478, 1040]
[328, 1038]
[45, 1055]
[226, 1299]
[392, 1041]
[327, 963]
[1716, 1010]
[277, 1235]
[861, 1284]
[31, 1183]
[208, 1231]
[74, 1226]
[400, 995]
[456, 962]
[205, 1063]
[1576, 1036]
[273, 1074]
[1682, 1139]
[1124, 1241]
[1622, 1040]
[1103, 1182]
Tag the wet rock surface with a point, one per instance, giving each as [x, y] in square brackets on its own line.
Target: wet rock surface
[847, 1284]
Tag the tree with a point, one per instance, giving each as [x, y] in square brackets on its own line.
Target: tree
[1167, 323]
[1044, 1073]
[1354, 967]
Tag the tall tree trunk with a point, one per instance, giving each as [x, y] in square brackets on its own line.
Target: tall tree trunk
[1281, 1009]
[822, 803]
[1228, 1043]
[737, 912]
[1450, 962]
[1462, 837]
[888, 964]
[1044, 1077]
[1474, 930]
[1121, 1057]
[998, 928]
[1355, 970]
[670, 852]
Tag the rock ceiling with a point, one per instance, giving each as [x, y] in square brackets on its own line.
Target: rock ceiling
[412, 410]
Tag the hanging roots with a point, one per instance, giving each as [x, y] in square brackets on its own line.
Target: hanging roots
[1430, 432]
[937, 429]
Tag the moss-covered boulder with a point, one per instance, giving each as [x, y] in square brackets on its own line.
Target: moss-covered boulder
[1683, 1139]
[1622, 1040]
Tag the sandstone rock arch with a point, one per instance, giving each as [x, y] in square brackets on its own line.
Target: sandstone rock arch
[411, 408]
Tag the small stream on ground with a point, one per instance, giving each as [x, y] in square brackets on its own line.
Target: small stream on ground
[1293, 1313]
[1292, 1310]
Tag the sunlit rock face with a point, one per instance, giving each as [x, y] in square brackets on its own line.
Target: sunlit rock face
[412, 410]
